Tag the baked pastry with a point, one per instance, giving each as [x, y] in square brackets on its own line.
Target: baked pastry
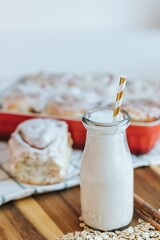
[73, 103]
[26, 98]
[49, 79]
[71, 95]
[101, 83]
[139, 89]
[142, 110]
[40, 151]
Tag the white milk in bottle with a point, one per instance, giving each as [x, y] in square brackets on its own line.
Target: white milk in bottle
[106, 172]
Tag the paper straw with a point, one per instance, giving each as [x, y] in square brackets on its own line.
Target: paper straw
[119, 97]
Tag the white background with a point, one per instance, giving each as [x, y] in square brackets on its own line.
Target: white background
[80, 35]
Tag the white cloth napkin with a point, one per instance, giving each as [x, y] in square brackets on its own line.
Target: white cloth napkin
[11, 189]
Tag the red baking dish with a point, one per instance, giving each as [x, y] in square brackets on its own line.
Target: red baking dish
[141, 136]
[9, 122]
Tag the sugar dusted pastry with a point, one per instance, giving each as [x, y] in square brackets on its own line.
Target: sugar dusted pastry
[40, 151]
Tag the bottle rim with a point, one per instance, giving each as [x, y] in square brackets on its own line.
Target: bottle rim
[86, 119]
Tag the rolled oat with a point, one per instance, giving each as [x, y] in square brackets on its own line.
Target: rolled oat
[143, 231]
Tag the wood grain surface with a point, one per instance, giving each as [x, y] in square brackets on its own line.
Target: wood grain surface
[51, 215]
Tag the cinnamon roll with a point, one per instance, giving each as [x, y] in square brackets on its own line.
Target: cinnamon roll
[142, 110]
[71, 95]
[26, 98]
[49, 79]
[73, 103]
[40, 151]
[139, 89]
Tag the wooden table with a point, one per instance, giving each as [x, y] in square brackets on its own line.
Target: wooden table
[50, 215]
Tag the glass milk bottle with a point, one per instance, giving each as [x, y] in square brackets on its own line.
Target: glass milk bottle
[106, 172]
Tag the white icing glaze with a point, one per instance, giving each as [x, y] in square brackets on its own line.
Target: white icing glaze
[75, 99]
[79, 92]
[51, 137]
[38, 132]
[29, 88]
[139, 89]
[26, 101]
[143, 109]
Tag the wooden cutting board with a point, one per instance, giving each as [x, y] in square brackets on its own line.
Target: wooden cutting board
[51, 215]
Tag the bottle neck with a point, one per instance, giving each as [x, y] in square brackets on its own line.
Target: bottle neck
[100, 121]
[105, 130]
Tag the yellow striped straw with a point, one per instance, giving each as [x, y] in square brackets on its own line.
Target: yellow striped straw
[119, 97]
